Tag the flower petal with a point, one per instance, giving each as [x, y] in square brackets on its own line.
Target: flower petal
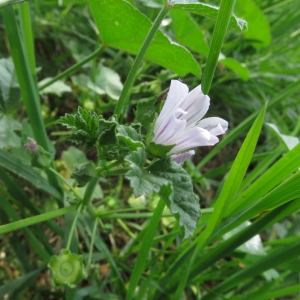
[191, 138]
[214, 125]
[196, 104]
[177, 93]
[168, 134]
[180, 158]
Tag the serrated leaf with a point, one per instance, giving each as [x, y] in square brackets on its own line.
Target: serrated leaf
[124, 27]
[8, 128]
[209, 11]
[84, 173]
[130, 137]
[107, 132]
[9, 87]
[85, 126]
[171, 182]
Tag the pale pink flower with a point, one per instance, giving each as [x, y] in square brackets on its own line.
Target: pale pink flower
[180, 124]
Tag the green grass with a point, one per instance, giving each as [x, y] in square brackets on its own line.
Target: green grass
[245, 245]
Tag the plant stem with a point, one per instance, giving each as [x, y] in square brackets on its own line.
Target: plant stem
[92, 244]
[73, 227]
[89, 191]
[65, 182]
[116, 215]
[144, 250]
[224, 16]
[36, 219]
[132, 74]
[72, 69]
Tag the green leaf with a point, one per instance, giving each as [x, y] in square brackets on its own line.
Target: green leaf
[158, 150]
[83, 173]
[124, 27]
[258, 27]
[273, 259]
[171, 182]
[57, 88]
[130, 137]
[107, 132]
[109, 81]
[233, 181]
[188, 32]
[17, 167]
[283, 168]
[42, 158]
[8, 135]
[289, 141]
[9, 87]
[209, 11]
[85, 126]
[237, 67]
[145, 112]
[12, 285]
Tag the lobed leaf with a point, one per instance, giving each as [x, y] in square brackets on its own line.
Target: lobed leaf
[130, 137]
[90, 128]
[171, 182]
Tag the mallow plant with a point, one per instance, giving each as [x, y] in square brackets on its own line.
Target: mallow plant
[150, 153]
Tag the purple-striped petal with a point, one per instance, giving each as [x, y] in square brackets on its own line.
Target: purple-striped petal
[196, 104]
[192, 138]
[214, 125]
[177, 93]
[180, 158]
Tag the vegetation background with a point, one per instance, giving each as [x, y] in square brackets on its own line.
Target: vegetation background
[253, 252]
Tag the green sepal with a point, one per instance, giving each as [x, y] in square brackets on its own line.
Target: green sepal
[107, 132]
[171, 182]
[41, 158]
[150, 133]
[130, 136]
[66, 269]
[157, 150]
[84, 173]
[145, 112]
